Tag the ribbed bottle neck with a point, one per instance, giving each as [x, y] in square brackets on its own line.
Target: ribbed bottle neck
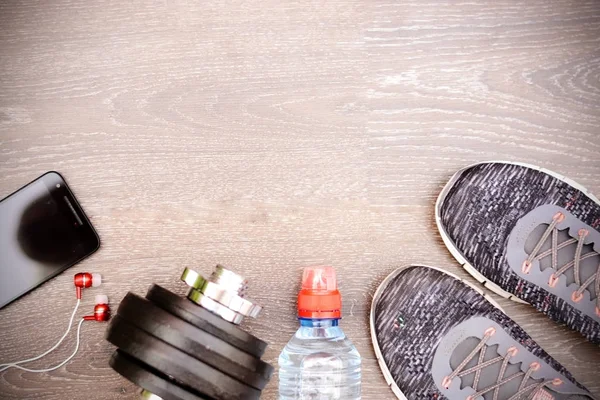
[319, 323]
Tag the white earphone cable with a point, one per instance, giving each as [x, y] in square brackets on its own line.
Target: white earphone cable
[62, 363]
[6, 366]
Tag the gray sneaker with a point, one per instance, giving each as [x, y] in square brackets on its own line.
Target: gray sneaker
[437, 337]
[527, 234]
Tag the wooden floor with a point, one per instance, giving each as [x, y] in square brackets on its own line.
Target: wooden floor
[272, 135]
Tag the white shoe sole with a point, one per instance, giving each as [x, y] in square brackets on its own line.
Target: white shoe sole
[386, 372]
[459, 256]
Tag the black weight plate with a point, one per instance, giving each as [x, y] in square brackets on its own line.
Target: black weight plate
[205, 320]
[152, 381]
[181, 367]
[191, 340]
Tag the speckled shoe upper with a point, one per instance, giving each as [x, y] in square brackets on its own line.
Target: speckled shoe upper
[432, 333]
[530, 233]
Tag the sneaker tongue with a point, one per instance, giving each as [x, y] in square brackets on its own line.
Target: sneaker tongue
[587, 267]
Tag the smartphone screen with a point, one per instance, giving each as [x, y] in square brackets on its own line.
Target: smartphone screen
[43, 231]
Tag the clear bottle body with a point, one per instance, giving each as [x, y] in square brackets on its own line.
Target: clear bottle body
[319, 363]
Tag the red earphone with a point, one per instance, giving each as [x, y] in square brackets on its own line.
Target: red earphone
[101, 310]
[86, 280]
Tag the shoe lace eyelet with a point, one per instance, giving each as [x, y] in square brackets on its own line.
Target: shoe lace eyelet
[557, 381]
[490, 331]
[553, 280]
[526, 267]
[576, 297]
[535, 366]
[583, 232]
[512, 351]
[558, 217]
[446, 382]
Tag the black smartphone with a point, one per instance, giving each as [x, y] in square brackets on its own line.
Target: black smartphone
[43, 231]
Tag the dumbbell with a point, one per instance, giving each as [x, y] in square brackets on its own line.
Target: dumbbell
[177, 348]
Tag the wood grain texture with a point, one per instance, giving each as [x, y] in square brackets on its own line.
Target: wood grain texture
[268, 136]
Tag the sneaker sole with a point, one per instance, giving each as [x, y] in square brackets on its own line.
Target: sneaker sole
[386, 372]
[459, 256]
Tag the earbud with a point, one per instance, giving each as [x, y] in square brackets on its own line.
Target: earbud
[101, 310]
[86, 280]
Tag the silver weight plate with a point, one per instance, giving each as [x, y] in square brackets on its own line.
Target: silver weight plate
[230, 300]
[192, 278]
[228, 279]
[222, 295]
[214, 306]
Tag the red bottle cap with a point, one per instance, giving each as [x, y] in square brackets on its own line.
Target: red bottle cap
[319, 296]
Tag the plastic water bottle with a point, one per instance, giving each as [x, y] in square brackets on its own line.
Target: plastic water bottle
[319, 362]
